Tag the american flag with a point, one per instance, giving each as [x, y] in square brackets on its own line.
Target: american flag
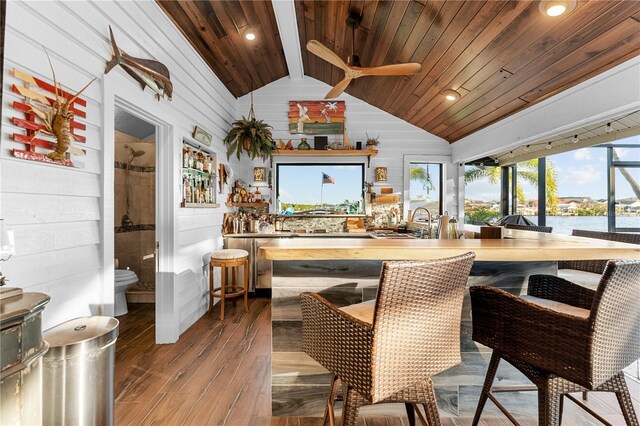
[326, 179]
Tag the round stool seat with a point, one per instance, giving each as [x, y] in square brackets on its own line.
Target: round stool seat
[228, 254]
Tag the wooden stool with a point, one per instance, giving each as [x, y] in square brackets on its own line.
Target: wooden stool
[224, 259]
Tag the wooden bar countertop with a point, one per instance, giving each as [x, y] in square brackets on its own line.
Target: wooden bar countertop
[518, 246]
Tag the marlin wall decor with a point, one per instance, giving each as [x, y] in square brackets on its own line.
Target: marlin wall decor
[147, 72]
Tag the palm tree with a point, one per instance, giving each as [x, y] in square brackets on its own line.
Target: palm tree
[420, 174]
[527, 172]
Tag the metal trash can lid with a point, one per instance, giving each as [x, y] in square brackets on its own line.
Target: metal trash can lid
[81, 335]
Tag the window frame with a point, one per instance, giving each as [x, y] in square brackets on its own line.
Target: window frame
[444, 162]
[276, 205]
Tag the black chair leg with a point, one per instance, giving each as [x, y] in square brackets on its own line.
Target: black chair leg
[486, 389]
[411, 414]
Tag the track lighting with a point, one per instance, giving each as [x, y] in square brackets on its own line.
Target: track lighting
[548, 145]
[526, 148]
[608, 128]
[575, 139]
[511, 154]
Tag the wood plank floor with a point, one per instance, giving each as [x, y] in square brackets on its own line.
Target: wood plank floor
[219, 372]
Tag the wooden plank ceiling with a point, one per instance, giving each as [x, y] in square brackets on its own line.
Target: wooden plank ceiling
[500, 56]
[216, 29]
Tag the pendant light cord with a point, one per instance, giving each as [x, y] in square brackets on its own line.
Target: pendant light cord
[252, 115]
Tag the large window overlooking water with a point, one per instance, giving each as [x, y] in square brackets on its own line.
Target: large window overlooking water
[305, 187]
[578, 184]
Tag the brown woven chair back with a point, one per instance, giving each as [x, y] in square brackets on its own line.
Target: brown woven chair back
[535, 228]
[615, 318]
[597, 266]
[416, 323]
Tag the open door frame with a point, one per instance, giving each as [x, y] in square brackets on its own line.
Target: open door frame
[167, 314]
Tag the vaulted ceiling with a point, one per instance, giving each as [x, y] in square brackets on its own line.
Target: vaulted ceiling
[216, 29]
[500, 56]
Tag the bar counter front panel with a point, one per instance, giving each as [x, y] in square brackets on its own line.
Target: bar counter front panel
[300, 385]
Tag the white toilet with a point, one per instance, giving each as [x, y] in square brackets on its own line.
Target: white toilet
[124, 278]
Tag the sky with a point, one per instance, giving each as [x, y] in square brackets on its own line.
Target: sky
[302, 184]
[581, 173]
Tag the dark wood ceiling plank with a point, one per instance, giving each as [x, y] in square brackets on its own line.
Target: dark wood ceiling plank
[432, 99]
[471, 60]
[468, 35]
[430, 13]
[462, 20]
[401, 20]
[331, 12]
[376, 32]
[443, 21]
[270, 46]
[489, 76]
[341, 44]
[232, 43]
[309, 19]
[491, 116]
[201, 36]
[497, 95]
[622, 39]
[324, 68]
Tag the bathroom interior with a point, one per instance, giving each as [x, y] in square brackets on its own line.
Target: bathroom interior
[134, 210]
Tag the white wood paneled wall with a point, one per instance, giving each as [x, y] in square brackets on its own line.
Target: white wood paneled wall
[63, 217]
[397, 137]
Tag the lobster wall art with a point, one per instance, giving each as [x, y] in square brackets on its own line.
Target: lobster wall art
[147, 72]
[49, 111]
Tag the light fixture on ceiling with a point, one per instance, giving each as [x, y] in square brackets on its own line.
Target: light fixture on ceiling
[250, 34]
[608, 128]
[526, 148]
[548, 145]
[555, 8]
[451, 95]
[511, 154]
[574, 139]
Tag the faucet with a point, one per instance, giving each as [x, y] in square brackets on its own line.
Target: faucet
[428, 216]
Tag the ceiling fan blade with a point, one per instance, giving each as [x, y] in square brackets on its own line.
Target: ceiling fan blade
[325, 53]
[338, 88]
[395, 69]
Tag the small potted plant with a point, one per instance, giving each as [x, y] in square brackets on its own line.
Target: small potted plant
[372, 143]
[251, 136]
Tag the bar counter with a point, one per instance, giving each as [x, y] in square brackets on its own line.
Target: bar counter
[346, 271]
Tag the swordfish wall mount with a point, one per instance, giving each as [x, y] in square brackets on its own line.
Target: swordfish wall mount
[147, 72]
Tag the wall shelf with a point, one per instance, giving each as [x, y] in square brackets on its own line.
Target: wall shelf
[199, 205]
[327, 153]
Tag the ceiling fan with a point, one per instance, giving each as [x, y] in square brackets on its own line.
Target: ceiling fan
[352, 68]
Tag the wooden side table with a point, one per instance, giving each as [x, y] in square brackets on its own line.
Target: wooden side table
[229, 259]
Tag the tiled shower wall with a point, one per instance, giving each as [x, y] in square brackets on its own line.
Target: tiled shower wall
[132, 244]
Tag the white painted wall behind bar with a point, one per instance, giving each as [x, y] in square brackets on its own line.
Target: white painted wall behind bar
[62, 217]
[397, 137]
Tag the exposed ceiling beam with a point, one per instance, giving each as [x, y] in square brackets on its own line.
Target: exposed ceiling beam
[285, 12]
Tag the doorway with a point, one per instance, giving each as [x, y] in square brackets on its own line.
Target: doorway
[135, 255]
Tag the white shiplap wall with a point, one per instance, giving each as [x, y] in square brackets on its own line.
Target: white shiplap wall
[63, 218]
[397, 137]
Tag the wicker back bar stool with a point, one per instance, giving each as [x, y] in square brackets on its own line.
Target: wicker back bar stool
[387, 350]
[229, 259]
[535, 228]
[588, 272]
[563, 337]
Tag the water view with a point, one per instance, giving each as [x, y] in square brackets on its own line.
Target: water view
[564, 224]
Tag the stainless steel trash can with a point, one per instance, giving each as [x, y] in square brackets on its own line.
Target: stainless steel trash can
[78, 372]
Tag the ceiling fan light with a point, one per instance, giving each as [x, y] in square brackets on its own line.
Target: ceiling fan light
[555, 8]
[451, 95]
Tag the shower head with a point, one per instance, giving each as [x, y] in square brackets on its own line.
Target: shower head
[134, 153]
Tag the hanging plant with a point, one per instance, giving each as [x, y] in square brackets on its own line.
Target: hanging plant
[251, 136]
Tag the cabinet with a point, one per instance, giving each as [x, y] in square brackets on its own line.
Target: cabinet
[259, 269]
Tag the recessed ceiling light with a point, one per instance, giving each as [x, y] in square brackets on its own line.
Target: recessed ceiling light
[250, 34]
[451, 95]
[556, 8]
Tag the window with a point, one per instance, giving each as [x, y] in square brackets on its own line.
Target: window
[305, 187]
[425, 186]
